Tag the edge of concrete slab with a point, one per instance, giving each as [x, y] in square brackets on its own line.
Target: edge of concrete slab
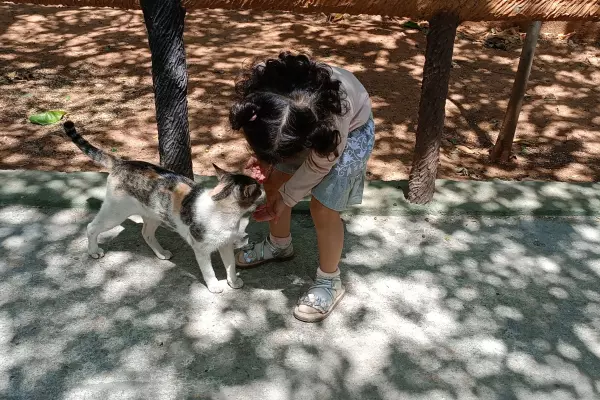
[500, 198]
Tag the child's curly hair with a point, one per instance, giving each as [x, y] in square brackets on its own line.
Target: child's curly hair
[286, 105]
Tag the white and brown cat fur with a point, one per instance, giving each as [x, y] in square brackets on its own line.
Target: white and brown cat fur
[208, 219]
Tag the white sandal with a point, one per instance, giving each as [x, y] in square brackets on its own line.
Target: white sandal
[320, 299]
[254, 254]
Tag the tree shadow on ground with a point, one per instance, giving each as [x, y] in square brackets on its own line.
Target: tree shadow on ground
[454, 307]
[95, 63]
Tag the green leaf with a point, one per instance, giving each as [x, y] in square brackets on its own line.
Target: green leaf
[47, 118]
[114, 149]
[411, 25]
[524, 150]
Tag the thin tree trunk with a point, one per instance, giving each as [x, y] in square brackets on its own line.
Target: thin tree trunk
[434, 90]
[164, 22]
[503, 147]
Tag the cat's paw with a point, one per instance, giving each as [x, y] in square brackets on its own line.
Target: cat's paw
[237, 283]
[215, 287]
[165, 255]
[99, 253]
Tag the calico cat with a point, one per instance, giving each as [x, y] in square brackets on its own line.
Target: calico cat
[208, 219]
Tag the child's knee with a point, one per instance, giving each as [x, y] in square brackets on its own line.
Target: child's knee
[321, 214]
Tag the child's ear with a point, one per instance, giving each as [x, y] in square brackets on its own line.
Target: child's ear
[220, 172]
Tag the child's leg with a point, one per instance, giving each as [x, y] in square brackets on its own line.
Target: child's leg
[330, 235]
[322, 297]
[281, 229]
[278, 245]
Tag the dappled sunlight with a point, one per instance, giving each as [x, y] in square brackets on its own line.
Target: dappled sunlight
[453, 307]
[470, 319]
[443, 306]
[95, 64]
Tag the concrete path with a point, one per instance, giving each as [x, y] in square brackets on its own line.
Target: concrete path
[470, 305]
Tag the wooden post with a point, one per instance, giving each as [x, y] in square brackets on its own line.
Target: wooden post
[503, 147]
[434, 90]
[164, 22]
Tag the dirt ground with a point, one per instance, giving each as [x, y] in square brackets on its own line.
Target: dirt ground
[95, 64]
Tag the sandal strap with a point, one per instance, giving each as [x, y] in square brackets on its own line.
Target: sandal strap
[321, 294]
[275, 251]
[251, 248]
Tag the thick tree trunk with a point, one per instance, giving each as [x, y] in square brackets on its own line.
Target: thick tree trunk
[434, 90]
[164, 22]
[503, 147]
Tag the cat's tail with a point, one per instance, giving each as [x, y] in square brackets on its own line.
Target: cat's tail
[97, 155]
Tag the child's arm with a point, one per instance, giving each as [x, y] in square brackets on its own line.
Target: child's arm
[312, 171]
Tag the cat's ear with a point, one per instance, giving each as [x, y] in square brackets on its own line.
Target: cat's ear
[220, 172]
[249, 190]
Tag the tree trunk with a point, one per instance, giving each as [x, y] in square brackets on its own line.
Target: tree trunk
[164, 22]
[434, 90]
[503, 147]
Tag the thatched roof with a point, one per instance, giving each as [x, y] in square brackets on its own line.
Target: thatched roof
[468, 10]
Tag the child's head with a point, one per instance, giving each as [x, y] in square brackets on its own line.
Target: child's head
[287, 105]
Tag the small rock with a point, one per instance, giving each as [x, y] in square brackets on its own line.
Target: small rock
[462, 171]
[465, 149]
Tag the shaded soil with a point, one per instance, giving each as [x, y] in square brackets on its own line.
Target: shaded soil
[95, 64]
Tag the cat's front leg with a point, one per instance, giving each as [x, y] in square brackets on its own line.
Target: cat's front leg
[228, 257]
[208, 273]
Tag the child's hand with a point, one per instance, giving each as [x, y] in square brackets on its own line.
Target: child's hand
[258, 170]
[271, 210]
[263, 213]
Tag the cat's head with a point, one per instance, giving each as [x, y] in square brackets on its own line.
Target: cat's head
[237, 190]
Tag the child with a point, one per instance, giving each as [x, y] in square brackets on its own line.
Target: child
[311, 129]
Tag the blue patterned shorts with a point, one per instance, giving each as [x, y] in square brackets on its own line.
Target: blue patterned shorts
[343, 186]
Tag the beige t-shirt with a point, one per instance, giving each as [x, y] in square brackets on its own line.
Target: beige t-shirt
[315, 167]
